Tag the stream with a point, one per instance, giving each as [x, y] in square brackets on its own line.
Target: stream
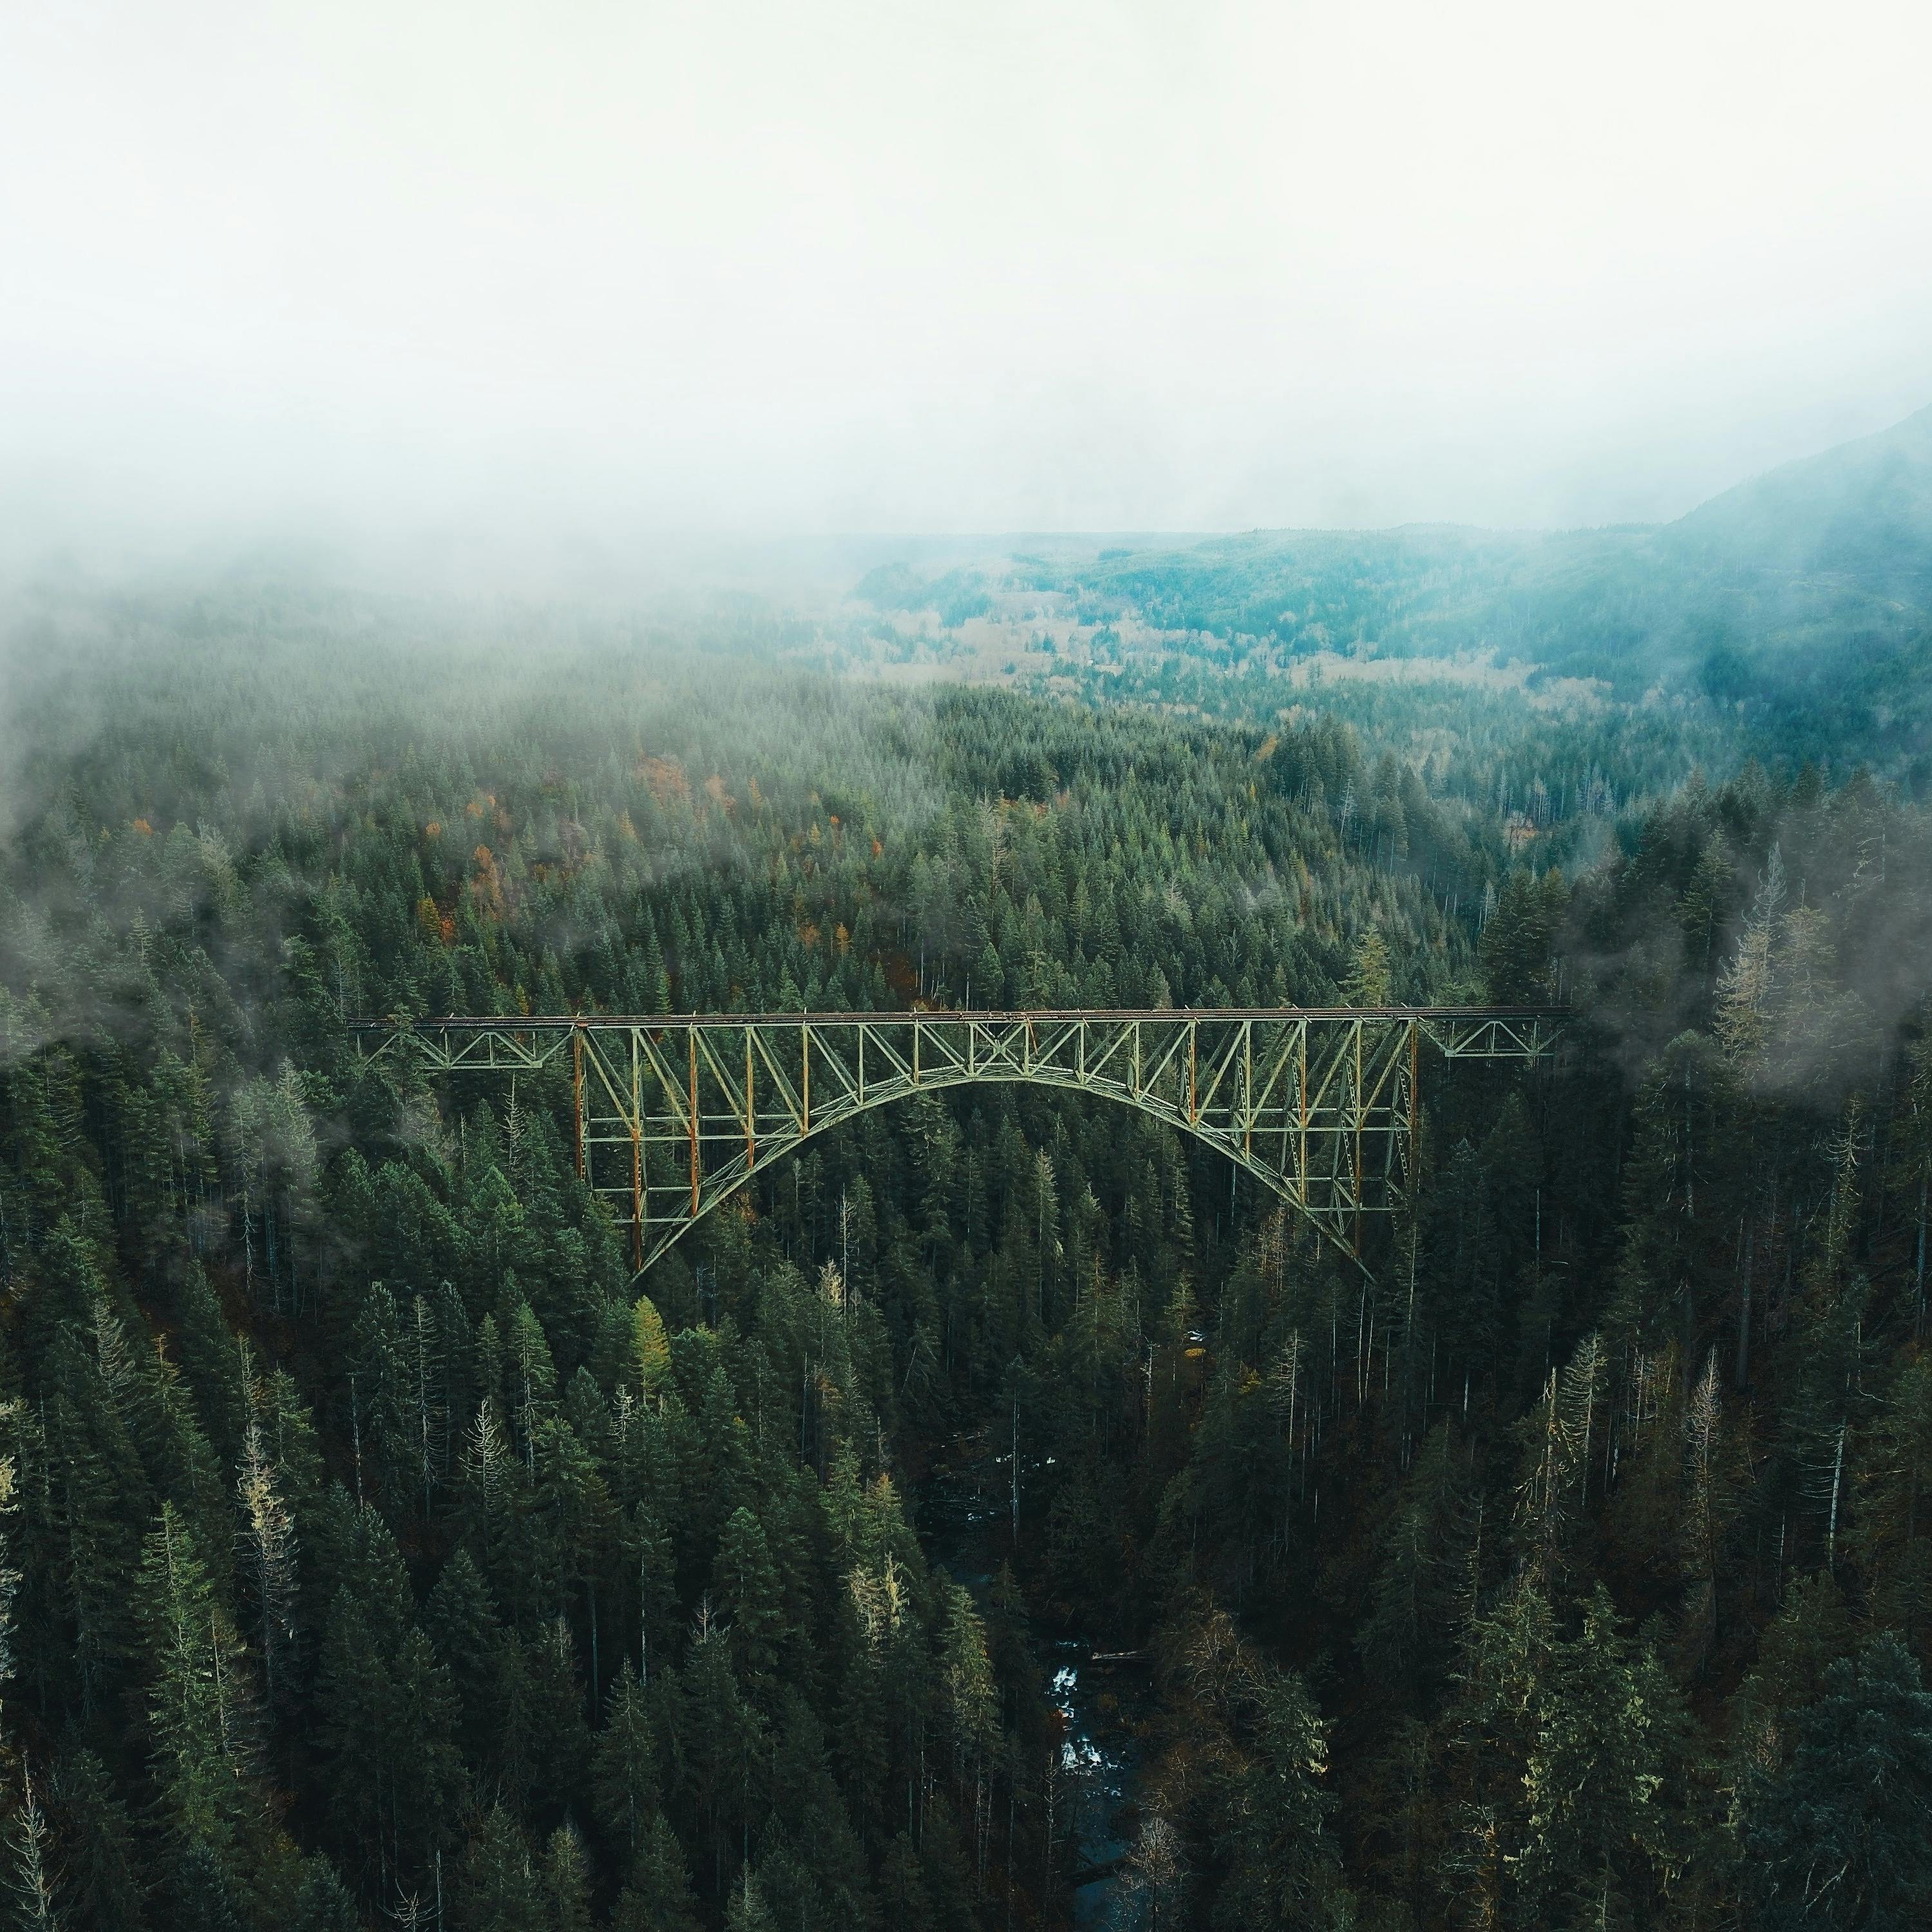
[1106, 1701]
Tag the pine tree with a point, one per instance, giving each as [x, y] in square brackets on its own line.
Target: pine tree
[467, 1636]
[624, 1773]
[566, 1881]
[198, 1721]
[32, 1879]
[1837, 1837]
[972, 1699]
[746, 1590]
[747, 1911]
[1602, 1841]
[103, 1857]
[269, 1563]
[656, 1896]
[500, 1890]
[201, 1894]
[324, 1904]
[212, 1364]
[1283, 1868]
[652, 1352]
[1369, 979]
[1517, 939]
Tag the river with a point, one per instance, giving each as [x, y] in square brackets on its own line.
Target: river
[1106, 1702]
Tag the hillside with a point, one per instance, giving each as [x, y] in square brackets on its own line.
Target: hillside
[1797, 605]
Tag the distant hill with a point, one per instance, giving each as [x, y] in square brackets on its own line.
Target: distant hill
[1802, 599]
[1860, 512]
[1810, 590]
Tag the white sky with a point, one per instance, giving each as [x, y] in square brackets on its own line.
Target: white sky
[884, 265]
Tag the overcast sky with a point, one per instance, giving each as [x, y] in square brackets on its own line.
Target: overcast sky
[842, 266]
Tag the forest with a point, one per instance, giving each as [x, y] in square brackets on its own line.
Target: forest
[375, 1550]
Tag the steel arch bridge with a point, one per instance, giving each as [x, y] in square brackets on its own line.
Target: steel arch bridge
[672, 1114]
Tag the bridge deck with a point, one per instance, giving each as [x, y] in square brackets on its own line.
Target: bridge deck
[983, 1016]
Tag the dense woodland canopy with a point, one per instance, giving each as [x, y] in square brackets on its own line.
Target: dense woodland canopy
[376, 1551]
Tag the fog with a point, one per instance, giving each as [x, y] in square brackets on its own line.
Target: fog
[630, 268]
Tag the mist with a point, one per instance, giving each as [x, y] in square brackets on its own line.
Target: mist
[602, 272]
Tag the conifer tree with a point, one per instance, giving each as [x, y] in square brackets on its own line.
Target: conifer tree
[656, 1896]
[270, 1563]
[746, 1591]
[566, 1881]
[500, 1889]
[324, 1904]
[1837, 1837]
[31, 1883]
[624, 1772]
[198, 1720]
[102, 1860]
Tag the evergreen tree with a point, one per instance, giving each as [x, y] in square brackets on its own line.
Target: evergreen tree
[324, 1904]
[103, 1859]
[746, 1590]
[199, 1725]
[624, 1771]
[656, 1896]
[32, 1882]
[500, 1890]
[1837, 1838]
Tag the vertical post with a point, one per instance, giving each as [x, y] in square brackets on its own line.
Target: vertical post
[751, 1115]
[1247, 1087]
[637, 1151]
[1414, 1099]
[1191, 1109]
[691, 1035]
[577, 1095]
[1301, 1108]
[1358, 1111]
[916, 1031]
[804, 1057]
[637, 1201]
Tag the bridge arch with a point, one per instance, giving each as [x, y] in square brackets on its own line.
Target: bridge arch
[717, 1185]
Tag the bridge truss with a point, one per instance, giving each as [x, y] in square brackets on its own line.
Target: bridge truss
[674, 1113]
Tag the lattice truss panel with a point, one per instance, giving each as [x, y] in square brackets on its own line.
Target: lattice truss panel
[672, 1114]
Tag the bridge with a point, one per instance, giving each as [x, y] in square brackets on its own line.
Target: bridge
[672, 1114]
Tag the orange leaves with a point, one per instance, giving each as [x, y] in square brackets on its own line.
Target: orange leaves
[486, 889]
[142, 826]
[435, 924]
[665, 777]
